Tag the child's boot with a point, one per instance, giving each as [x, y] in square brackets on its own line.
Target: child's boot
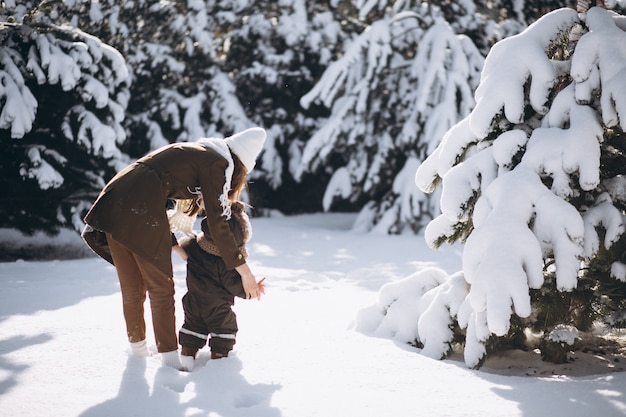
[171, 359]
[218, 355]
[188, 358]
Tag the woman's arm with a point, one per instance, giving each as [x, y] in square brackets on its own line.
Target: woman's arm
[217, 222]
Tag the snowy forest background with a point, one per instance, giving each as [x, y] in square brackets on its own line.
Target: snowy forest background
[353, 95]
[499, 124]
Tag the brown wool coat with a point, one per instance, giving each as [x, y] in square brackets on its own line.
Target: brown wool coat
[132, 206]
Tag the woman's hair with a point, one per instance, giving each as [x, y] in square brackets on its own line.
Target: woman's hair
[189, 207]
[192, 207]
[238, 182]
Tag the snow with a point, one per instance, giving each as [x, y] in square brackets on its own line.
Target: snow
[299, 352]
[46, 175]
[611, 71]
[564, 334]
[20, 108]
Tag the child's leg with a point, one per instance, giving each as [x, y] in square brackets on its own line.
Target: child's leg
[221, 344]
[192, 335]
[188, 358]
[223, 325]
[192, 340]
[189, 351]
[190, 343]
[217, 355]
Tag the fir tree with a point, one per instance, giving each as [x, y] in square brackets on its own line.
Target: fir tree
[402, 83]
[214, 68]
[63, 95]
[532, 181]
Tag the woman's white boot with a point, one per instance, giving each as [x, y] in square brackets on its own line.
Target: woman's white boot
[139, 349]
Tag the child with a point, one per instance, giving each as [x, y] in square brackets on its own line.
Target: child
[211, 290]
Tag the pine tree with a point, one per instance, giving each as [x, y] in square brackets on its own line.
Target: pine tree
[178, 90]
[274, 56]
[532, 183]
[376, 83]
[213, 68]
[401, 84]
[63, 95]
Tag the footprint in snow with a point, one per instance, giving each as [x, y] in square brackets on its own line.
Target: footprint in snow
[247, 400]
[171, 378]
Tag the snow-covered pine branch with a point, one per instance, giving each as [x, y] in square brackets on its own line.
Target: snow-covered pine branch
[67, 57]
[599, 65]
[20, 106]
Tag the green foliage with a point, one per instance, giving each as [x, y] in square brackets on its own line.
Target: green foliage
[552, 307]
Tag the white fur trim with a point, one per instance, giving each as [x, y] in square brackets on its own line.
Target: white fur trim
[139, 349]
[219, 146]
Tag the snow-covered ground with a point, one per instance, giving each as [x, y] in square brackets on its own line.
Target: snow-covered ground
[63, 350]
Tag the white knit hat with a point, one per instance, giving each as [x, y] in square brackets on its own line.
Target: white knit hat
[247, 145]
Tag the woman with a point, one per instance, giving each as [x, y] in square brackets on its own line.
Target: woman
[128, 226]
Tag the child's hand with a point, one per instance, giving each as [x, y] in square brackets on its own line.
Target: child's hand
[180, 252]
[250, 286]
[261, 286]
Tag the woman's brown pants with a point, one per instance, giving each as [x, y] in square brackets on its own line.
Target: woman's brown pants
[137, 276]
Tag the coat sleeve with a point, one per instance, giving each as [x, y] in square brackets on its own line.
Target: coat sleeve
[212, 184]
